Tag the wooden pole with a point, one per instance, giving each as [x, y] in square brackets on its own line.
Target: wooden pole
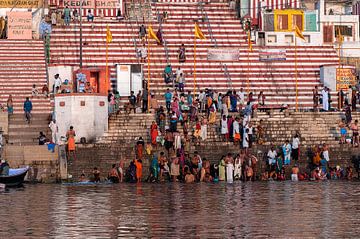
[194, 72]
[148, 81]
[296, 76]
[107, 67]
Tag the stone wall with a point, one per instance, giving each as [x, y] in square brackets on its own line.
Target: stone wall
[87, 113]
[44, 164]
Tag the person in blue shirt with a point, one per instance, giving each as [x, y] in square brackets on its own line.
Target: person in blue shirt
[168, 97]
[27, 109]
[189, 99]
[168, 74]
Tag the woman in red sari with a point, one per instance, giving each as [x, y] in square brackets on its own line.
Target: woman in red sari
[153, 132]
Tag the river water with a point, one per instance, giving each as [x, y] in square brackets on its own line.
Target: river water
[251, 210]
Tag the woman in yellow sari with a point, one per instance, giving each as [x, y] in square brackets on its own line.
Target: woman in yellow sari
[212, 116]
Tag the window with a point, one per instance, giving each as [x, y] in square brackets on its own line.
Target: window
[307, 38]
[271, 38]
[311, 25]
[282, 22]
[269, 22]
[289, 39]
[345, 30]
[297, 21]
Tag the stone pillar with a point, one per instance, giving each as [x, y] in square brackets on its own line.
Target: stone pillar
[63, 162]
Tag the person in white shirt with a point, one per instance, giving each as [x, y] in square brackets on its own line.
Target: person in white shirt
[57, 83]
[325, 99]
[295, 148]
[236, 130]
[201, 100]
[325, 153]
[224, 127]
[54, 129]
[142, 53]
[179, 71]
[242, 97]
[272, 156]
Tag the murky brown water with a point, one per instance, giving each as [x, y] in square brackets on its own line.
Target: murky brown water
[270, 209]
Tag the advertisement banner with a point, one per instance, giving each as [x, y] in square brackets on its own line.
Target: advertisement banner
[344, 78]
[20, 3]
[19, 25]
[272, 55]
[223, 54]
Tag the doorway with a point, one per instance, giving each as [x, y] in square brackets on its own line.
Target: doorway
[94, 81]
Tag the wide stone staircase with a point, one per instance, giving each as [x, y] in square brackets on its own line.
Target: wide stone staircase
[119, 142]
[276, 79]
[24, 66]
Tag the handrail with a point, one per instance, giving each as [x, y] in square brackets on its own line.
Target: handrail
[213, 40]
[159, 20]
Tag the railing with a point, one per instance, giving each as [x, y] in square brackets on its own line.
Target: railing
[47, 54]
[159, 20]
[213, 40]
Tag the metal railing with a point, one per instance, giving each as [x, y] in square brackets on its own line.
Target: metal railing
[213, 40]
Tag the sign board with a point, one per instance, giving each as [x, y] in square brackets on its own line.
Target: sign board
[19, 25]
[272, 55]
[218, 54]
[123, 73]
[344, 78]
[90, 4]
[20, 3]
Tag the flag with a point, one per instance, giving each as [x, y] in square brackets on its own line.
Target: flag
[249, 41]
[298, 33]
[151, 34]
[198, 32]
[108, 34]
[340, 37]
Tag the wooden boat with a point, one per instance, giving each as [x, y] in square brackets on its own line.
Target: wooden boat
[15, 178]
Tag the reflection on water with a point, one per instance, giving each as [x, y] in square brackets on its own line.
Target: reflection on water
[269, 209]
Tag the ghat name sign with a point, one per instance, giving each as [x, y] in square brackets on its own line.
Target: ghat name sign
[19, 25]
[20, 3]
[91, 3]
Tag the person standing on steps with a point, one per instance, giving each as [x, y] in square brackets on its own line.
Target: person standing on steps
[295, 148]
[10, 105]
[67, 16]
[54, 129]
[325, 99]
[70, 136]
[181, 54]
[168, 97]
[27, 109]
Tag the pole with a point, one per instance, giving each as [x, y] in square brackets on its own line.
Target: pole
[107, 67]
[248, 66]
[194, 73]
[148, 81]
[247, 75]
[296, 77]
[80, 56]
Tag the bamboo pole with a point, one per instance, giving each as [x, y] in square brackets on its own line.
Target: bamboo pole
[107, 67]
[148, 81]
[296, 76]
[194, 72]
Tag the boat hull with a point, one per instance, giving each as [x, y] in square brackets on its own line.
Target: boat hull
[14, 180]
